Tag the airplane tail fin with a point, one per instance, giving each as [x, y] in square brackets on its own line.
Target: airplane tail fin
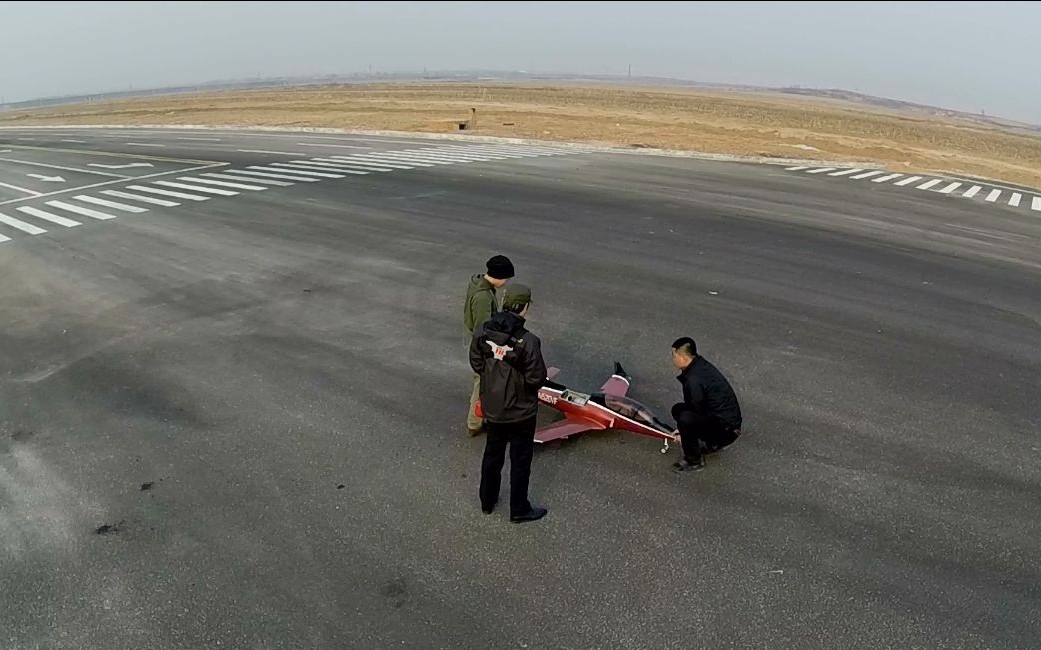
[620, 371]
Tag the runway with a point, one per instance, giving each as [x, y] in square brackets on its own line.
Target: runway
[234, 390]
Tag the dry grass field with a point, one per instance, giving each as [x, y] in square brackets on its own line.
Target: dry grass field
[759, 124]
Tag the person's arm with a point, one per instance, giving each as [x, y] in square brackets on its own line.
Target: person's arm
[696, 400]
[476, 354]
[482, 306]
[535, 370]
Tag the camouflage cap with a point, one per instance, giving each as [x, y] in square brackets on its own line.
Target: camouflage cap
[516, 294]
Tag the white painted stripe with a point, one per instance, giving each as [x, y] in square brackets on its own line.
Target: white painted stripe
[338, 146]
[382, 164]
[467, 152]
[247, 179]
[950, 188]
[270, 175]
[316, 168]
[908, 181]
[887, 177]
[820, 170]
[287, 171]
[524, 153]
[144, 144]
[1014, 200]
[440, 160]
[21, 189]
[455, 157]
[867, 174]
[196, 188]
[926, 185]
[273, 153]
[971, 192]
[795, 169]
[76, 141]
[47, 216]
[333, 166]
[1035, 203]
[86, 212]
[143, 199]
[110, 204]
[206, 181]
[993, 196]
[21, 225]
[201, 139]
[844, 172]
[63, 168]
[176, 195]
[4, 238]
[382, 158]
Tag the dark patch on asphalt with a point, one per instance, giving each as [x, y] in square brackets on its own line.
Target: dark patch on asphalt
[109, 529]
[21, 435]
[147, 486]
[395, 591]
[340, 486]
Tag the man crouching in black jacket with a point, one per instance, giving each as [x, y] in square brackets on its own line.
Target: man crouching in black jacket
[508, 359]
[709, 417]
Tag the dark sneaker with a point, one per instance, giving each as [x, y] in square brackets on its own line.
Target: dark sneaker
[688, 465]
[532, 515]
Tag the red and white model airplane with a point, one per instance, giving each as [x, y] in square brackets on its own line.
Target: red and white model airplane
[609, 408]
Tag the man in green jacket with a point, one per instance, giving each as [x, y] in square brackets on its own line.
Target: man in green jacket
[479, 306]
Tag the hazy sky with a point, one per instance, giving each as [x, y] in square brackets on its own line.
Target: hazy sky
[970, 56]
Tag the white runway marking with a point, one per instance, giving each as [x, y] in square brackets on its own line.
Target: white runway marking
[926, 185]
[820, 170]
[382, 164]
[21, 189]
[845, 172]
[459, 154]
[201, 139]
[406, 157]
[340, 166]
[76, 141]
[87, 212]
[795, 169]
[370, 166]
[908, 180]
[196, 188]
[950, 188]
[4, 238]
[887, 177]
[288, 171]
[64, 168]
[47, 216]
[867, 174]
[270, 175]
[452, 160]
[1035, 203]
[1014, 201]
[387, 158]
[21, 225]
[144, 144]
[247, 179]
[110, 204]
[993, 196]
[972, 191]
[234, 186]
[143, 199]
[313, 169]
[337, 146]
[273, 153]
[176, 195]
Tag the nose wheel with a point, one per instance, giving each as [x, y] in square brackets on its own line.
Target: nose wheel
[665, 447]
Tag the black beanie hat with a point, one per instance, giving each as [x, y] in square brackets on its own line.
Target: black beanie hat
[500, 267]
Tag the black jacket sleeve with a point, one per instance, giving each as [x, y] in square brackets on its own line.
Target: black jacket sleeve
[534, 365]
[476, 353]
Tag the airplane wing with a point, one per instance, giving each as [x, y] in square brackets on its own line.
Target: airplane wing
[564, 428]
[618, 384]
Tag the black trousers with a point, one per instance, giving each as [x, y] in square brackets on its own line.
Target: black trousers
[520, 436]
[698, 430]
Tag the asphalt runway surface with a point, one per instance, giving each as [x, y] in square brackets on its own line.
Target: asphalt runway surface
[237, 421]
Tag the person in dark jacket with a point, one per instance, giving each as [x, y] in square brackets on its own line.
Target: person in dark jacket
[709, 417]
[478, 307]
[508, 358]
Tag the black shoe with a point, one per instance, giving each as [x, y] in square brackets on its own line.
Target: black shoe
[488, 510]
[686, 465]
[532, 515]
